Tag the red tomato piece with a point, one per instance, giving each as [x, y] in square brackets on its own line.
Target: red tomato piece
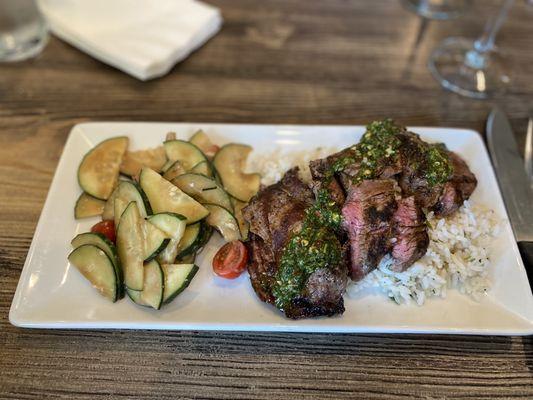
[105, 227]
[230, 260]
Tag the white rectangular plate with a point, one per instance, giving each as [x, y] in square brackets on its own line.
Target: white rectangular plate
[52, 294]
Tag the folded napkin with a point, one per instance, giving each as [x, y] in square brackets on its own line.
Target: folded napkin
[144, 38]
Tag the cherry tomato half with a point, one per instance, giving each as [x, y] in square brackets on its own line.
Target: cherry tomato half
[105, 227]
[230, 260]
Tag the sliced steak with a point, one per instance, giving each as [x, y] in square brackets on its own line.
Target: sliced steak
[275, 214]
[458, 189]
[410, 234]
[367, 219]
[278, 209]
[319, 172]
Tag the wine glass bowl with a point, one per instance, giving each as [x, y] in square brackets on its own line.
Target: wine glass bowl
[473, 68]
[460, 68]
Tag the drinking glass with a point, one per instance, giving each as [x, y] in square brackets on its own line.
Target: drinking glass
[23, 31]
[473, 68]
[437, 9]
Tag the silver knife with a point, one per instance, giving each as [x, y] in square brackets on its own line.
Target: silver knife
[514, 183]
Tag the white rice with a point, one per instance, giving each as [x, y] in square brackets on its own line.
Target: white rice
[458, 256]
[273, 165]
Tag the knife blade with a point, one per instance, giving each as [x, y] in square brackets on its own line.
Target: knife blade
[514, 184]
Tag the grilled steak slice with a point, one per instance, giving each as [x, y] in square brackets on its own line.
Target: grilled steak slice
[367, 217]
[458, 189]
[410, 232]
[321, 180]
[278, 209]
[275, 214]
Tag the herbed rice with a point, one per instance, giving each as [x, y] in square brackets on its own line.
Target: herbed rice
[458, 256]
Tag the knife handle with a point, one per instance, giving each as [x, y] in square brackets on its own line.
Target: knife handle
[526, 251]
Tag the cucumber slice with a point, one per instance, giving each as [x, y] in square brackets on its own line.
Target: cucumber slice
[194, 238]
[203, 168]
[154, 284]
[177, 278]
[100, 241]
[191, 235]
[229, 163]
[224, 222]
[174, 226]
[109, 208]
[120, 205]
[202, 141]
[134, 161]
[188, 259]
[166, 197]
[130, 246]
[155, 241]
[135, 296]
[203, 189]
[126, 193]
[88, 206]
[98, 268]
[99, 169]
[167, 165]
[176, 169]
[188, 154]
[244, 226]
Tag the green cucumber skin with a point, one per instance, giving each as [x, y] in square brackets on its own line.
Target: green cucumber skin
[209, 165]
[164, 244]
[117, 282]
[190, 144]
[115, 259]
[144, 198]
[162, 280]
[173, 214]
[203, 237]
[185, 285]
[132, 295]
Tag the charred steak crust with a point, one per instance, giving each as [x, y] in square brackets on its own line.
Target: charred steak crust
[275, 214]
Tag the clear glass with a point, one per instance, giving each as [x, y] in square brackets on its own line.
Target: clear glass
[437, 9]
[23, 30]
[473, 68]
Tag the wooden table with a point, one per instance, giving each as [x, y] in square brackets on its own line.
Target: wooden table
[283, 61]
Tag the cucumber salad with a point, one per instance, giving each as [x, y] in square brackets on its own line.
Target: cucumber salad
[159, 208]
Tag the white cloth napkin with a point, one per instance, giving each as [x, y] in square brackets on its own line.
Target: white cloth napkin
[144, 38]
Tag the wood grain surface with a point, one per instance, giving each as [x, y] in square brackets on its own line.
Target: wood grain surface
[280, 61]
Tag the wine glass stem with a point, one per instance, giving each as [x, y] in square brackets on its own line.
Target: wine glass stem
[478, 57]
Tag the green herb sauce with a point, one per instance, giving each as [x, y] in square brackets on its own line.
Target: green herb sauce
[315, 246]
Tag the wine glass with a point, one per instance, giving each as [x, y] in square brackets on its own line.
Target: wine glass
[473, 68]
[437, 9]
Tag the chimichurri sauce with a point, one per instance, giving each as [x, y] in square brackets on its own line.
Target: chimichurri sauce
[316, 246]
